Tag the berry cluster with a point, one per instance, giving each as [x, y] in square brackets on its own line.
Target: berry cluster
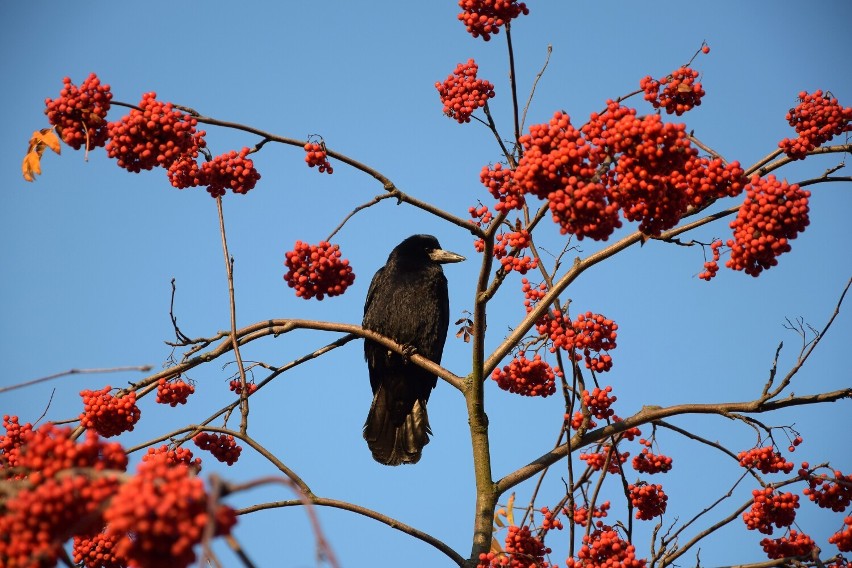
[174, 456]
[230, 170]
[97, 551]
[317, 270]
[834, 494]
[500, 183]
[772, 214]
[794, 544]
[550, 520]
[462, 93]
[165, 508]
[580, 516]
[108, 415]
[555, 166]
[766, 459]
[532, 294]
[52, 501]
[711, 267]
[517, 241]
[649, 462]
[237, 387]
[842, 539]
[317, 155]
[11, 442]
[79, 114]
[486, 17]
[521, 551]
[576, 421]
[604, 548]
[597, 460]
[680, 93]
[480, 216]
[591, 333]
[223, 446]
[173, 392]
[649, 500]
[817, 119]
[599, 402]
[527, 377]
[156, 134]
[708, 179]
[185, 172]
[771, 508]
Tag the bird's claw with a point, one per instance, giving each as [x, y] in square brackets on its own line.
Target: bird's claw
[407, 352]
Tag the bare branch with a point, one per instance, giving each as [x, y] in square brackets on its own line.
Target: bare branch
[141, 368]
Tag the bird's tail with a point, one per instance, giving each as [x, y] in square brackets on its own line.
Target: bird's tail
[399, 441]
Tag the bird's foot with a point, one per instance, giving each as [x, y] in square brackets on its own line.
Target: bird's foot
[407, 352]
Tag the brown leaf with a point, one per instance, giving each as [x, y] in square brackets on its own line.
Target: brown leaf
[31, 166]
[683, 88]
[50, 139]
[495, 546]
[510, 507]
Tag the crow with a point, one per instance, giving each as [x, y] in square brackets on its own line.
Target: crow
[407, 302]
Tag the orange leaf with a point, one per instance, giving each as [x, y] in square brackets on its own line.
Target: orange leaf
[50, 139]
[31, 166]
[510, 509]
[682, 88]
[495, 546]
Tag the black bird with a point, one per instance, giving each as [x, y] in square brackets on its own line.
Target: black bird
[407, 302]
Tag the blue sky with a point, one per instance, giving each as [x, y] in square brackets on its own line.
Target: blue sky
[90, 250]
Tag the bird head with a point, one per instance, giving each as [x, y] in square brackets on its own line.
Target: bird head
[420, 247]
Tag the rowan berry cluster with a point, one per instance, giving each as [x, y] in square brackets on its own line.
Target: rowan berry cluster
[576, 421]
[481, 216]
[50, 500]
[527, 377]
[108, 415]
[599, 402]
[772, 214]
[604, 548]
[766, 459]
[317, 270]
[550, 520]
[597, 460]
[680, 93]
[834, 494]
[591, 333]
[232, 171]
[223, 446]
[580, 516]
[793, 544]
[522, 550]
[156, 134]
[711, 267]
[79, 114]
[174, 456]
[649, 462]
[482, 18]
[165, 508]
[97, 551]
[707, 179]
[842, 539]
[462, 93]
[650, 500]
[770, 508]
[500, 183]
[556, 166]
[817, 119]
[532, 294]
[11, 442]
[516, 241]
[317, 155]
[173, 392]
[237, 387]
[646, 180]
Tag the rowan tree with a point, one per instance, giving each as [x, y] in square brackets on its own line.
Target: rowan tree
[581, 465]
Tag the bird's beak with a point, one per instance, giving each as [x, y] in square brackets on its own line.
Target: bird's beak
[444, 256]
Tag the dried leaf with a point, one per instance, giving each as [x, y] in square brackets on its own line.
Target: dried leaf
[510, 506]
[683, 88]
[31, 166]
[50, 139]
[495, 546]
